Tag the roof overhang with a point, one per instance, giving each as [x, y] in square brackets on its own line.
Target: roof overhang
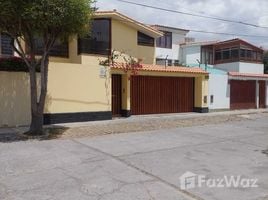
[130, 22]
[170, 29]
[159, 68]
[247, 76]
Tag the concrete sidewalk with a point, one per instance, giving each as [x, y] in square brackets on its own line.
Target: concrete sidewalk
[143, 165]
[132, 124]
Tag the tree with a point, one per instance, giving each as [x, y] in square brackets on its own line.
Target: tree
[265, 61]
[49, 20]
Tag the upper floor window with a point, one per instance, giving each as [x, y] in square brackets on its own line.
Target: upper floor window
[235, 54]
[165, 41]
[59, 49]
[145, 40]
[5, 45]
[99, 40]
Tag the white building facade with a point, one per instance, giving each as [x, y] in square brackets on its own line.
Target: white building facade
[168, 46]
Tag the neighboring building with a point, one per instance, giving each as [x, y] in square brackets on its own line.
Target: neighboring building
[243, 62]
[5, 45]
[190, 53]
[167, 46]
[81, 89]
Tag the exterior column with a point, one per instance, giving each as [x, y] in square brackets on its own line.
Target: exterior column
[126, 112]
[201, 94]
[257, 95]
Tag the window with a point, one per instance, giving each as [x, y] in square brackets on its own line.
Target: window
[234, 53]
[160, 61]
[99, 40]
[218, 55]
[242, 53]
[169, 62]
[165, 41]
[6, 47]
[176, 63]
[249, 54]
[259, 56]
[254, 55]
[145, 40]
[59, 49]
[226, 54]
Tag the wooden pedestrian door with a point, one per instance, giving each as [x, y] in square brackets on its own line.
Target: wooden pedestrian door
[116, 94]
[262, 94]
[153, 95]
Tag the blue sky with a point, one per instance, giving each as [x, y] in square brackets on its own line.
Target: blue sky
[251, 11]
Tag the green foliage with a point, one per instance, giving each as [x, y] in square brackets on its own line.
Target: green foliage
[14, 64]
[59, 17]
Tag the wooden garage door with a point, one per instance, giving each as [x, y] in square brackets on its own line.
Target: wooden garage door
[151, 95]
[262, 98]
[243, 94]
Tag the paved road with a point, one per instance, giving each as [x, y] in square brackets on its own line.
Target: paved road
[139, 166]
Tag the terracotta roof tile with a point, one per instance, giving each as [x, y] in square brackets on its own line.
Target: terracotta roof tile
[159, 68]
[237, 74]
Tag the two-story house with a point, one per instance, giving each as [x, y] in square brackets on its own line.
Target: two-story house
[82, 88]
[237, 79]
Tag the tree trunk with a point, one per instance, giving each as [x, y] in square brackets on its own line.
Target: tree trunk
[36, 127]
[38, 104]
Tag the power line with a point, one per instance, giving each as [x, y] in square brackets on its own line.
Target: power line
[217, 33]
[192, 14]
[230, 34]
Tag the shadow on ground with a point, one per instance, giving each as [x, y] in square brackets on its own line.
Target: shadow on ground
[51, 133]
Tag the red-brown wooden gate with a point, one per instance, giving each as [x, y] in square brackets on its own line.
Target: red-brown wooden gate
[262, 93]
[243, 94]
[152, 95]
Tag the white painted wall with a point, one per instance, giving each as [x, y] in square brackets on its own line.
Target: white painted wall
[242, 67]
[174, 52]
[220, 89]
[254, 68]
[229, 67]
[190, 54]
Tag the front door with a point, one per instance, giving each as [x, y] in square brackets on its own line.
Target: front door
[116, 94]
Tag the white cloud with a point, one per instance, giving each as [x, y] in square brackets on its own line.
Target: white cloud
[250, 11]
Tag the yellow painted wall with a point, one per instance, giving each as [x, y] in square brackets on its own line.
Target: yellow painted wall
[201, 91]
[126, 92]
[77, 88]
[15, 106]
[124, 39]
